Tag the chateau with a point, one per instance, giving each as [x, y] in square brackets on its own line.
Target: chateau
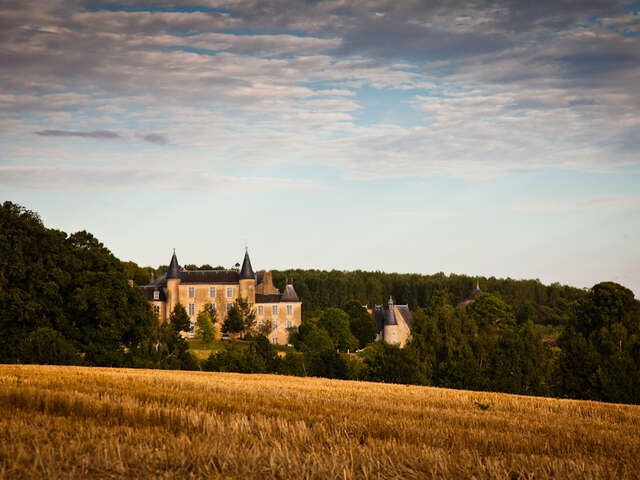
[393, 323]
[221, 288]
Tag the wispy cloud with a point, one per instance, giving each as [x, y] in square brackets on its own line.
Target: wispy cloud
[562, 205]
[157, 138]
[68, 177]
[105, 134]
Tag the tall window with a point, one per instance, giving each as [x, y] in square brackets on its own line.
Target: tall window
[274, 340]
[156, 310]
[192, 309]
[260, 323]
[289, 324]
[275, 325]
[289, 310]
[192, 292]
[274, 309]
[229, 292]
[260, 310]
[156, 295]
[229, 306]
[212, 292]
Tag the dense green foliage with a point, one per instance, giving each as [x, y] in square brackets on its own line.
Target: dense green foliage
[318, 290]
[65, 299]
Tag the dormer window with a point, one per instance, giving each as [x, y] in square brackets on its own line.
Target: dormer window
[156, 295]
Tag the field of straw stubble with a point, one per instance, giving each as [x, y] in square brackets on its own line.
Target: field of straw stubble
[71, 422]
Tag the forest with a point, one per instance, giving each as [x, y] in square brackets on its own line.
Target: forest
[66, 299]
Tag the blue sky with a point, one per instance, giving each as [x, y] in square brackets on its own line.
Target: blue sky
[379, 135]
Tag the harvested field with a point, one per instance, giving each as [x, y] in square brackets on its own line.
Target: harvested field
[74, 422]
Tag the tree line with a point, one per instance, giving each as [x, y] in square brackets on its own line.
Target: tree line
[66, 299]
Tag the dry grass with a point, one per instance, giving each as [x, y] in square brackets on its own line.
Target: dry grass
[68, 422]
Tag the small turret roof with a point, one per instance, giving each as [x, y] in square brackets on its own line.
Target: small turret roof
[389, 315]
[174, 268]
[246, 271]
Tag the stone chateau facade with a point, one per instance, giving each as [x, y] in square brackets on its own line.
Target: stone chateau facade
[221, 288]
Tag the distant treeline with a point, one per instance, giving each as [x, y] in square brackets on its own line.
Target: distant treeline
[65, 299]
[321, 289]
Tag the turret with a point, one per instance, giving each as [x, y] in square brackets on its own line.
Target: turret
[390, 333]
[247, 279]
[173, 280]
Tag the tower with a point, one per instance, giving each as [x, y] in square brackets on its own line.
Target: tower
[390, 332]
[247, 280]
[173, 280]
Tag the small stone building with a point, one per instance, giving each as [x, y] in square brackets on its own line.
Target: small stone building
[393, 323]
[221, 288]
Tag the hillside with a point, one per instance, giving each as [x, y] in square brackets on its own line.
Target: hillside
[79, 422]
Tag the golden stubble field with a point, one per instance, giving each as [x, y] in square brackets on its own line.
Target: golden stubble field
[74, 422]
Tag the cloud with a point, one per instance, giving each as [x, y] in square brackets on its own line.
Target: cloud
[67, 177]
[156, 138]
[106, 134]
[483, 89]
[559, 205]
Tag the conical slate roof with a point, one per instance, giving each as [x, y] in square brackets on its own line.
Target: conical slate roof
[174, 268]
[389, 315]
[289, 294]
[246, 271]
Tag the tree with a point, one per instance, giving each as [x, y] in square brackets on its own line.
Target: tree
[241, 317]
[179, 320]
[336, 323]
[310, 337]
[600, 356]
[392, 364]
[361, 323]
[205, 329]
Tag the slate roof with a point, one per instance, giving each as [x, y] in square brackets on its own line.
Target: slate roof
[210, 276]
[147, 291]
[246, 272]
[259, 277]
[174, 268]
[262, 298]
[406, 313]
[289, 294]
[378, 316]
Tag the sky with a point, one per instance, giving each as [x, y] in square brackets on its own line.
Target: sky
[480, 138]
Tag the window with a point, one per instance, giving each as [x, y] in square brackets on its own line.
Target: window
[156, 310]
[260, 310]
[275, 325]
[289, 309]
[192, 292]
[274, 309]
[229, 306]
[274, 340]
[192, 309]
[289, 324]
[229, 292]
[156, 295]
[260, 323]
[212, 292]
[192, 326]
[213, 306]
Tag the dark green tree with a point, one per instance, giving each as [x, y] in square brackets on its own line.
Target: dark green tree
[361, 323]
[600, 356]
[336, 323]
